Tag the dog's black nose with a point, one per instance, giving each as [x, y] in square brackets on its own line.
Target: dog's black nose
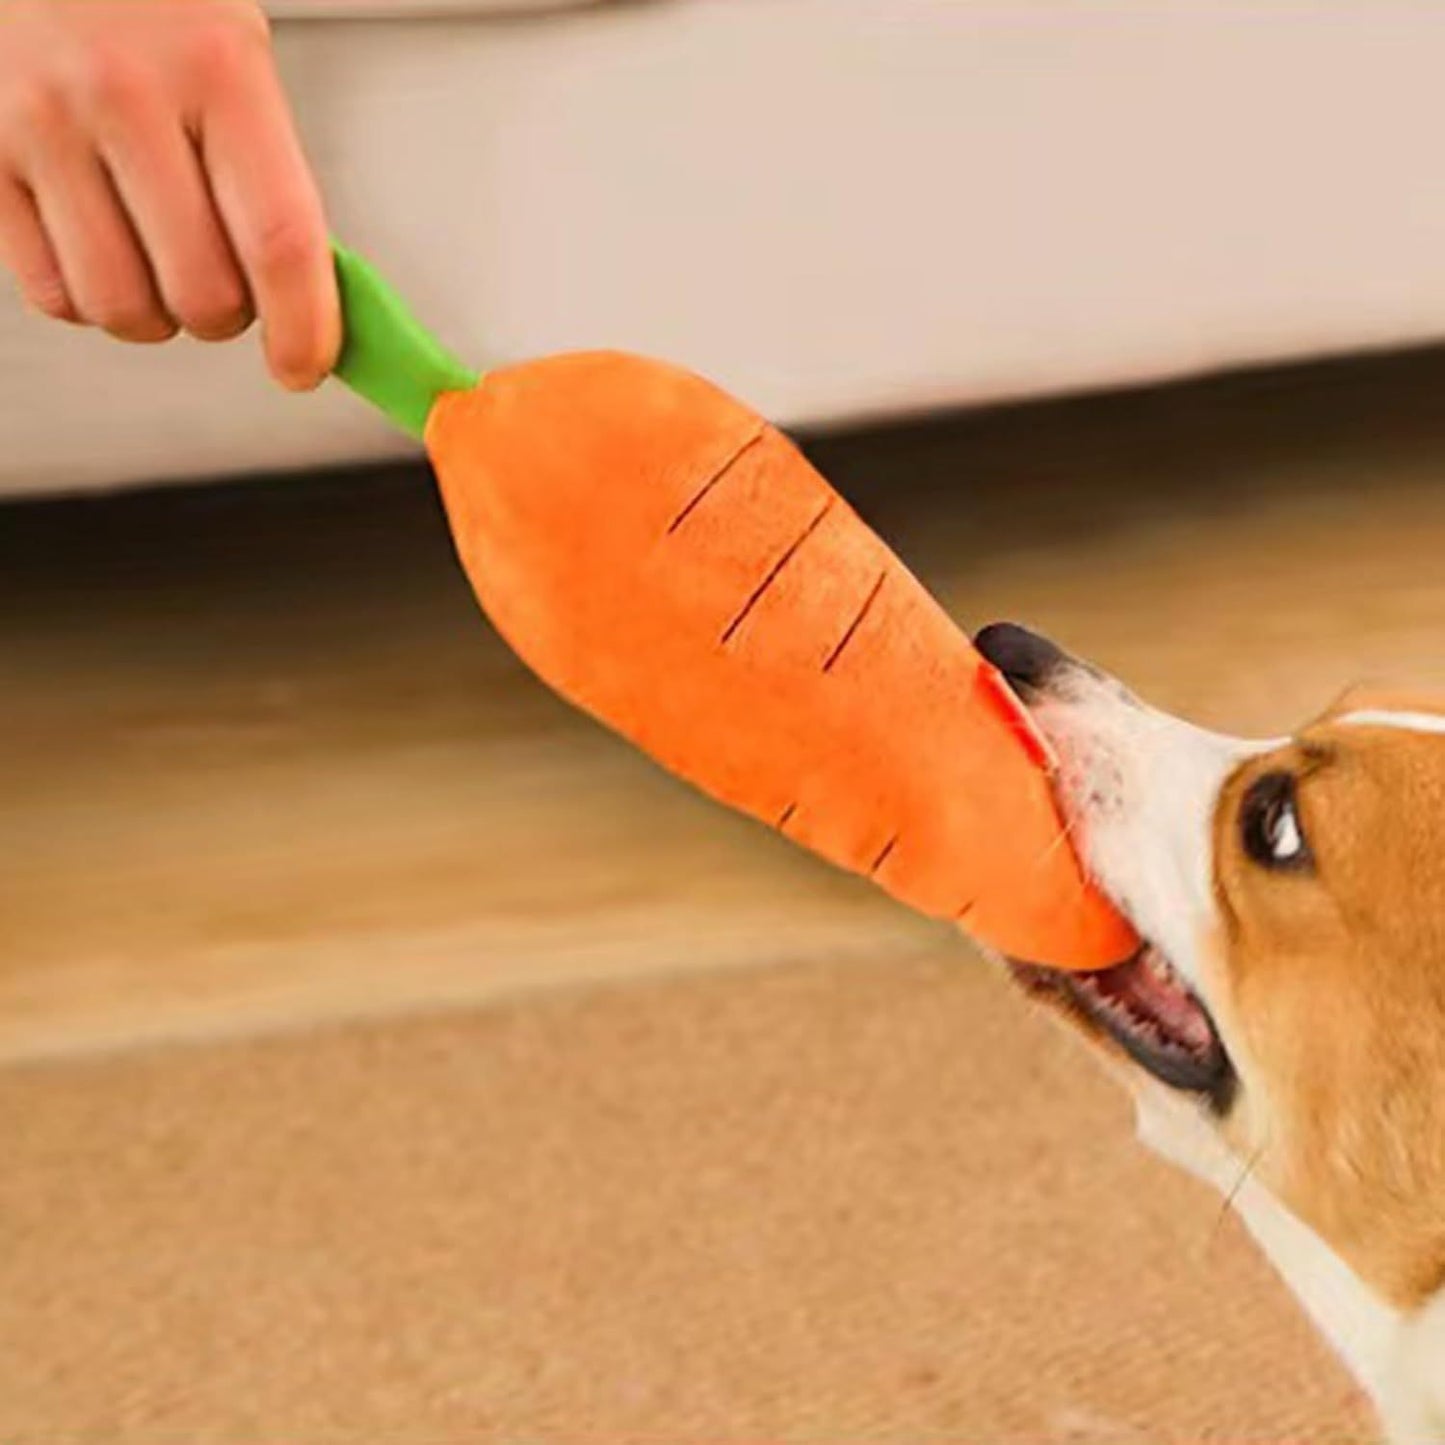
[1025, 659]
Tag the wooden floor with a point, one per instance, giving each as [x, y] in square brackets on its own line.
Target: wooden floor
[266, 774]
[262, 761]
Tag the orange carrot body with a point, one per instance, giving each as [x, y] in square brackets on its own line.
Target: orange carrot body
[670, 563]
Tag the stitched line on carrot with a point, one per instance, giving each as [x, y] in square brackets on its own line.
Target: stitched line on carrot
[856, 623]
[773, 573]
[728, 464]
[882, 857]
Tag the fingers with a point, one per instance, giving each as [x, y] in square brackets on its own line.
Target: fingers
[273, 214]
[151, 178]
[158, 176]
[27, 254]
[105, 272]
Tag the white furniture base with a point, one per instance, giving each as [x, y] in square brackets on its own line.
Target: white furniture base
[837, 208]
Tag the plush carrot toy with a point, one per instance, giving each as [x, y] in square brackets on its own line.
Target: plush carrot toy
[671, 564]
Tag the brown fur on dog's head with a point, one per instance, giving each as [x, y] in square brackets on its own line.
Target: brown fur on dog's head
[1331, 990]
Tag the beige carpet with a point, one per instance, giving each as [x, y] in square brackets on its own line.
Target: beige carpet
[296, 1151]
[825, 1204]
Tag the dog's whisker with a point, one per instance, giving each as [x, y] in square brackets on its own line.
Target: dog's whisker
[1250, 1165]
[1061, 840]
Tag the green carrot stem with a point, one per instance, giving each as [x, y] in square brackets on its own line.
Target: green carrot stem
[387, 356]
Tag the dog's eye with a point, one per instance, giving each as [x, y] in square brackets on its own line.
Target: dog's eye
[1270, 824]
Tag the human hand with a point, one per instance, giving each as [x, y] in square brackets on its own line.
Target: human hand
[152, 181]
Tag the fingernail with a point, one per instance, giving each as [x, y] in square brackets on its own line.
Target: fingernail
[297, 380]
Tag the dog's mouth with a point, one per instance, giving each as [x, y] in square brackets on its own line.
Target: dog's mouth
[1149, 1012]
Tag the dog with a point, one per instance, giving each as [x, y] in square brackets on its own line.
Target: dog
[1282, 1027]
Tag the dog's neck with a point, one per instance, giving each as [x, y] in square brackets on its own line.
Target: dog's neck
[1397, 1358]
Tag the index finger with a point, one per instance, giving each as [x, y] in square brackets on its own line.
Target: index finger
[272, 211]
